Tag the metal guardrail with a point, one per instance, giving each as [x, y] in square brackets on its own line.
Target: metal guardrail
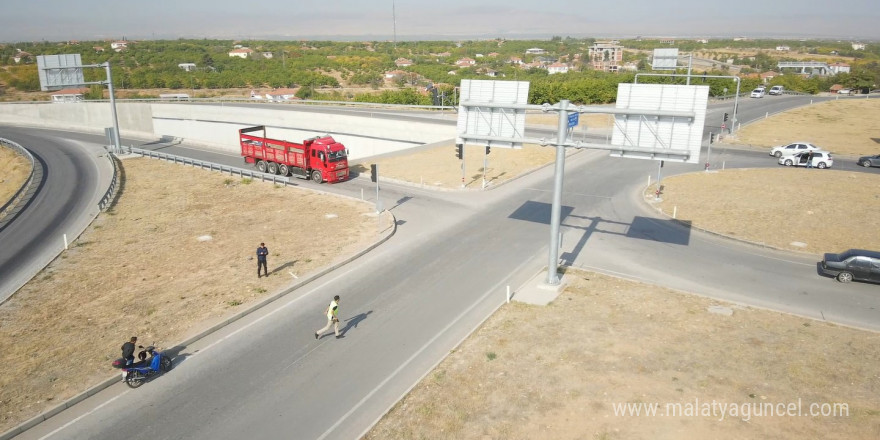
[241, 172]
[10, 208]
[114, 184]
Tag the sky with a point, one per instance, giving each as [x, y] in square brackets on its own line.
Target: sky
[57, 20]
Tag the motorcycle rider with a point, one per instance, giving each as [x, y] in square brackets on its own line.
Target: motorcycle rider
[128, 352]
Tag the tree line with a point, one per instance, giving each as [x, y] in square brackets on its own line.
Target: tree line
[313, 67]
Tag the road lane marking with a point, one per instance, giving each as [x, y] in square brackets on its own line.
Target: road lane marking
[491, 291]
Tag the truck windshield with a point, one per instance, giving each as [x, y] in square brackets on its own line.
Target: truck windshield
[335, 156]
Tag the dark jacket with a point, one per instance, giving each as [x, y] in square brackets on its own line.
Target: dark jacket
[262, 251]
[128, 351]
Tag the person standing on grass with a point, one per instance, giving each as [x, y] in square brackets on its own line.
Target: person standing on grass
[332, 318]
[128, 352]
[262, 253]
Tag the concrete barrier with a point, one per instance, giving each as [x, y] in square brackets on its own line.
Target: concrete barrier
[216, 126]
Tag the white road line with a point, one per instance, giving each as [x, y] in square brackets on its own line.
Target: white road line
[82, 416]
[491, 291]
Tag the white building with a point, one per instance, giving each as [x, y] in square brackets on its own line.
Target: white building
[557, 68]
[244, 52]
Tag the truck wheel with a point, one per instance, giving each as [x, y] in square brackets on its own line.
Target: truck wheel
[316, 176]
[283, 169]
[273, 168]
[261, 166]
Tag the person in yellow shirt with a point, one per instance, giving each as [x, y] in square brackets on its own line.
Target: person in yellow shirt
[332, 318]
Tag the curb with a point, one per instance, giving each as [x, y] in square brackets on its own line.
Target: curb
[21, 428]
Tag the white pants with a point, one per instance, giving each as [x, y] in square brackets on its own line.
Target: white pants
[330, 322]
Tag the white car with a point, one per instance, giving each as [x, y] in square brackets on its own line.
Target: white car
[820, 159]
[792, 148]
[776, 90]
[758, 93]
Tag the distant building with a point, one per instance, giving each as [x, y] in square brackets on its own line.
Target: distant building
[515, 60]
[243, 52]
[858, 46]
[281, 95]
[783, 48]
[98, 49]
[69, 95]
[119, 46]
[606, 57]
[403, 62]
[669, 41]
[189, 67]
[267, 55]
[703, 41]
[465, 62]
[839, 68]
[20, 56]
[535, 51]
[557, 68]
[768, 76]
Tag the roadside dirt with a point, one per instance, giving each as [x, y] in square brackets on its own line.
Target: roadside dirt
[561, 371]
[14, 170]
[173, 256]
[796, 209]
[847, 126]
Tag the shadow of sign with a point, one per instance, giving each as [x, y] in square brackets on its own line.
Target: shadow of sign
[538, 212]
[663, 231]
[877, 140]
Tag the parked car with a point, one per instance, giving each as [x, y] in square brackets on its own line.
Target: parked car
[792, 148]
[854, 264]
[844, 92]
[869, 161]
[758, 93]
[821, 159]
[776, 90]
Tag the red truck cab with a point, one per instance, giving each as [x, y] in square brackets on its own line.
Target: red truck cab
[320, 158]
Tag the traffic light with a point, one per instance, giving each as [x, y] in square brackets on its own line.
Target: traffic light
[488, 150]
[725, 117]
[374, 172]
[459, 151]
[711, 138]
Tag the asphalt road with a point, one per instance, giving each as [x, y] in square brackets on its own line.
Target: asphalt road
[64, 203]
[411, 300]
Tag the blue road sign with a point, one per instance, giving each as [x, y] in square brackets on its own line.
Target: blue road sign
[573, 119]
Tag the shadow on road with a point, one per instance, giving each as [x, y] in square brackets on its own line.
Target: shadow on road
[353, 322]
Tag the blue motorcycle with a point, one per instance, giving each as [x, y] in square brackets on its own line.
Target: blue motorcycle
[138, 372]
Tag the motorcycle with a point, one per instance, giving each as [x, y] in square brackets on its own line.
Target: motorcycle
[138, 372]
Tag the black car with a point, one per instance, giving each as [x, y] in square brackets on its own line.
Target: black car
[854, 264]
[869, 161]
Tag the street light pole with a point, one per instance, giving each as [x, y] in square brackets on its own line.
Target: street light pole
[118, 144]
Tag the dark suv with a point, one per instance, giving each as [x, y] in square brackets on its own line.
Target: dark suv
[854, 264]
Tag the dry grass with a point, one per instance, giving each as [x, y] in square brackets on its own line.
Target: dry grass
[556, 372]
[439, 168]
[14, 170]
[146, 269]
[818, 210]
[846, 126]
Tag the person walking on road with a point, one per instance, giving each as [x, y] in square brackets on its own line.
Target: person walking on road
[262, 253]
[332, 319]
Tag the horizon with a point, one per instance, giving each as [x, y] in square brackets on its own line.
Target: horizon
[415, 20]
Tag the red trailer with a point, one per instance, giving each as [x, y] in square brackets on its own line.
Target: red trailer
[320, 158]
